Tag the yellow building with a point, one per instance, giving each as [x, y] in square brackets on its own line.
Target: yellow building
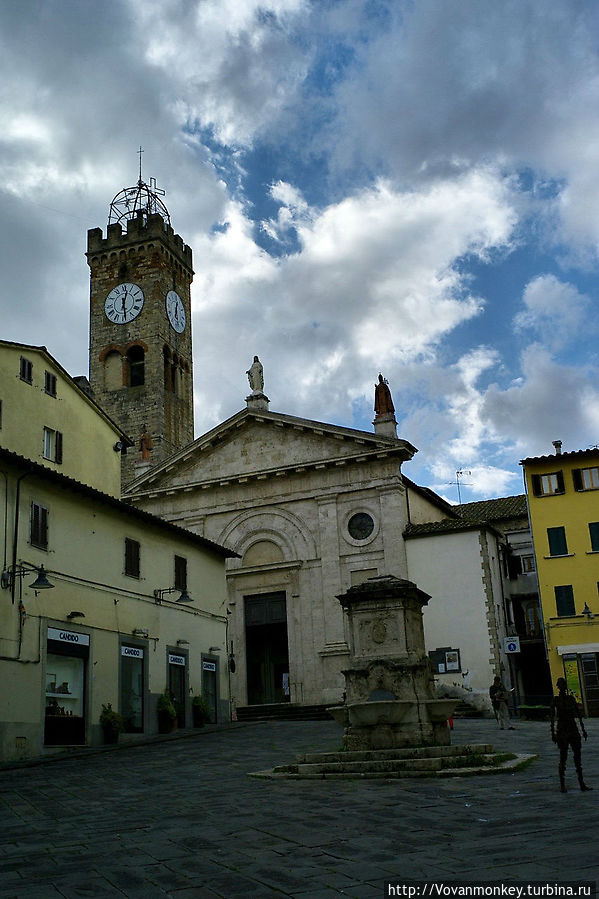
[47, 416]
[563, 499]
[100, 602]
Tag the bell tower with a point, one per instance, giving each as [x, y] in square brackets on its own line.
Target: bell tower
[140, 365]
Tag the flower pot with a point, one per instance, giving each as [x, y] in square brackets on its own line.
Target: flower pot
[166, 722]
[111, 736]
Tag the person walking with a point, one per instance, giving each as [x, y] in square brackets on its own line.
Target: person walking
[499, 695]
[565, 711]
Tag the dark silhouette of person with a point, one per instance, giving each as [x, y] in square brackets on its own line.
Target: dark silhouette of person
[565, 708]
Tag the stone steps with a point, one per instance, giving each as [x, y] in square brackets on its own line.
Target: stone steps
[282, 711]
[409, 752]
[423, 761]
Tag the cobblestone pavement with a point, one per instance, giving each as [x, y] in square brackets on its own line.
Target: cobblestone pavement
[181, 819]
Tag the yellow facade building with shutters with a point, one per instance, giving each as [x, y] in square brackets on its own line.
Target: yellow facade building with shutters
[99, 602]
[40, 403]
[563, 500]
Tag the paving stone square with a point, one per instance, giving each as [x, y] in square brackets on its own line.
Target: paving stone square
[181, 818]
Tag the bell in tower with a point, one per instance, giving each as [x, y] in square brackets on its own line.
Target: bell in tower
[140, 326]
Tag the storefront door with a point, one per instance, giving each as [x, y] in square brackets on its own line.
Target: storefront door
[176, 685]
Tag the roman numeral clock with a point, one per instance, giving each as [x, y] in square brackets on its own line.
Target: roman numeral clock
[140, 324]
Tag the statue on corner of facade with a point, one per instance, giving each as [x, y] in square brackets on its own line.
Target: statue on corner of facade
[145, 445]
[383, 403]
[256, 376]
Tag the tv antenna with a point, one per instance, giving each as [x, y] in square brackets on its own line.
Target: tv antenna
[460, 473]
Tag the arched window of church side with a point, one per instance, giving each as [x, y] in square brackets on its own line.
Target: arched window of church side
[135, 359]
[168, 375]
[113, 371]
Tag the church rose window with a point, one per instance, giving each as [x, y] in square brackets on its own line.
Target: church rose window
[360, 526]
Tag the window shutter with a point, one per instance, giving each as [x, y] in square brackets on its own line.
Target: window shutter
[577, 478]
[536, 484]
[39, 526]
[558, 545]
[564, 600]
[560, 481]
[58, 447]
[594, 533]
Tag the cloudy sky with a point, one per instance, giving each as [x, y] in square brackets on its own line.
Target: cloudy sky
[400, 186]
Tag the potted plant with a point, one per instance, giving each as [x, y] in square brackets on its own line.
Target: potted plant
[112, 723]
[167, 714]
[201, 712]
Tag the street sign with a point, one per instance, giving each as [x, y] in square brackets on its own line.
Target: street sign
[511, 644]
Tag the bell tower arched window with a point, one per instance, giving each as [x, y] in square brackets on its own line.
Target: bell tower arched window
[135, 359]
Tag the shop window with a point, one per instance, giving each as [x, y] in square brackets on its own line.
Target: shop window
[26, 370]
[53, 445]
[132, 688]
[548, 484]
[586, 478]
[136, 363]
[65, 677]
[594, 535]
[39, 526]
[556, 538]
[132, 555]
[50, 383]
[180, 573]
[564, 600]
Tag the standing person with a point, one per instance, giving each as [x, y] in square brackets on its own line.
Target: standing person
[499, 695]
[565, 708]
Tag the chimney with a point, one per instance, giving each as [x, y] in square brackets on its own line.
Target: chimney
[558, 447]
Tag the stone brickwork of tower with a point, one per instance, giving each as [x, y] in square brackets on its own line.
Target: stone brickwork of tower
[140, 335]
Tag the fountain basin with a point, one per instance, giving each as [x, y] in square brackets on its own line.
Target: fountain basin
[383, 711]
[439, 710]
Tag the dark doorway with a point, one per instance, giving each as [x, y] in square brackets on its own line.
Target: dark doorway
[266, 648]
[176, 685]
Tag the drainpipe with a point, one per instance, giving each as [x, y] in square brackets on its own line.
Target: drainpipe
[16, 535]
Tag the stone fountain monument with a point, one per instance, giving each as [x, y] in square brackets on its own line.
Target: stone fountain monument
[393, 724]
[389, 697]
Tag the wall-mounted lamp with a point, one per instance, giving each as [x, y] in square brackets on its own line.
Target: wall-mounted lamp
[140, 631]
[72, 615]
[10, 575]
[586, 611]
[182, 642]
[160, 594]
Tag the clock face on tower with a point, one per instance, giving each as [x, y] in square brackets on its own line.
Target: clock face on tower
[124, 303]
[175, 311]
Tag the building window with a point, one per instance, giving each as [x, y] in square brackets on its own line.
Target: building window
[548, 484]
[564, 600]
[360, 526]
[528, 564]
[131, 557]
[52, 445]
[50, 384]
[135, 359]
[557, 541]
[180, 573]
[26, 370]
[39, 526]
[594, 535]
[586, 478]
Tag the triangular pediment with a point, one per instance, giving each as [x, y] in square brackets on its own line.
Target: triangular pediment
[257, 445]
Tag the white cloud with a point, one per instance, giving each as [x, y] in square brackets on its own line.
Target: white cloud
[372, 286]
[554, 310]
